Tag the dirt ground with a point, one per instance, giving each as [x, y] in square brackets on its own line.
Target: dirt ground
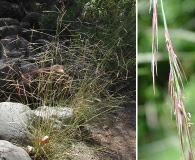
[119, 136]
[111, 140]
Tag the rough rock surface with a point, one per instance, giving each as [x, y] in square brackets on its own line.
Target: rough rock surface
[60, 113]
[8, 31]
[7, 73]
[20, 42]
[26, 66]
[32, 18]
[14, 47]
[14, 119]
[8, 22]
[8, 151]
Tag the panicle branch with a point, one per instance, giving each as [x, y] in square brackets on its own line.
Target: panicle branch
[154, 41]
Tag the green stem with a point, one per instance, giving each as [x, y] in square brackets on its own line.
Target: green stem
[163, 14]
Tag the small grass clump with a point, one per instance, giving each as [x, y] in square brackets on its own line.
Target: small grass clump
[86, 108]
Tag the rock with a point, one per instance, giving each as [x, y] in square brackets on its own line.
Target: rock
[25, 25]
[14, 120]
[11, 10]
[8, 31]
[58, 116]
[8, 151]
[8, 72]
[27, 66]
[14, 47]
[8, 22]
[60, 113]
[31, 35]
[32, 18]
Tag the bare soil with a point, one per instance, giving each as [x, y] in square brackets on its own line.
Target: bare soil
[111, 139]
[118, 137]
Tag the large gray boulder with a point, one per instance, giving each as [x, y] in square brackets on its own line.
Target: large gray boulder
[59, 116]
[60, 113]
[8, 151]
[14, 119]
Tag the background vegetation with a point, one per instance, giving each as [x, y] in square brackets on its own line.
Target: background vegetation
[157, 135]
[98, 35]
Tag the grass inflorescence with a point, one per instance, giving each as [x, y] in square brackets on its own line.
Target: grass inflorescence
[175, 84]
